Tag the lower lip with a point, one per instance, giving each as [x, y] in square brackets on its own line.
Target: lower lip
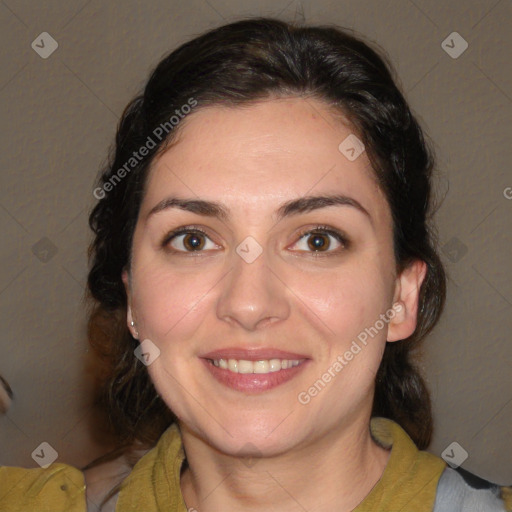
[253, 382]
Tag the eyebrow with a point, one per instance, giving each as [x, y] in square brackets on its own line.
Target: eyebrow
[293, 207]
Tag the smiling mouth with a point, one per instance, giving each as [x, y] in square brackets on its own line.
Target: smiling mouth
[256, 375]
[261, 367]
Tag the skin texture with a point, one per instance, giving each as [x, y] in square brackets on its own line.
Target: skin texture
[253, 159]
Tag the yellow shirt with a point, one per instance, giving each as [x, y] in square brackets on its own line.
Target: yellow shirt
[408, 483]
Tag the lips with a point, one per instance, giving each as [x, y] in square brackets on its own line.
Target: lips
[253, 383]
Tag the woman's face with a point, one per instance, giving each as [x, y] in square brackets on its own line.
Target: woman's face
[255, 288]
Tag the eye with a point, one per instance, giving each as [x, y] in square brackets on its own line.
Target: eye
[192, 239]
[317, 240]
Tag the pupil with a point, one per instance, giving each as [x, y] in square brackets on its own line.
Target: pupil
[194, 241]
[318, 241]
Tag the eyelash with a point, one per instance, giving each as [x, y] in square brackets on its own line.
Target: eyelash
[316, 230]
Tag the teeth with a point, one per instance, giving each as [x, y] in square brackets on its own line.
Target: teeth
[275, 365]
[262, 366]
[243, 366]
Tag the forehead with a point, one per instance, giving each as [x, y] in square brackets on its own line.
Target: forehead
[262, 155]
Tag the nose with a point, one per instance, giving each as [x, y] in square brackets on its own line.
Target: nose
[254, 295]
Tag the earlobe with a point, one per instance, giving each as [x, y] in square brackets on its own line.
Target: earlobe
[408, 285]
[131, 323]
[132, 326]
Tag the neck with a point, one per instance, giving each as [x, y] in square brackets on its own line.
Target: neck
[334, 472]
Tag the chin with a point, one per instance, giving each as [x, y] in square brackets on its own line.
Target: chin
[251, 439]
[248, 445]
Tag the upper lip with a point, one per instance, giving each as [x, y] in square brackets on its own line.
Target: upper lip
[256, 354]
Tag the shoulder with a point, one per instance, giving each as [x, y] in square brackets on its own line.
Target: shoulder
[62, 487]
[458, 489]
[426, 477]
[154, 482]
[59, 487]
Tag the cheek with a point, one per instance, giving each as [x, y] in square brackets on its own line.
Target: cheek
[344, 302]
[168, 304]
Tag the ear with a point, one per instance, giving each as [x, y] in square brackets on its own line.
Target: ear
[130, 320]
[407, 291]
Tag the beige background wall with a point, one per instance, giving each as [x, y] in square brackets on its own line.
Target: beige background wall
[58, 118]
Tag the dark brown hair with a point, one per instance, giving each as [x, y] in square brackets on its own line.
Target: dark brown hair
[236, 64]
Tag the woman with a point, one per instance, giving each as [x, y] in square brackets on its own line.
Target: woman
[263, 267]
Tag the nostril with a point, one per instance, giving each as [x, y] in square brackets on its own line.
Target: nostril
[6, 395]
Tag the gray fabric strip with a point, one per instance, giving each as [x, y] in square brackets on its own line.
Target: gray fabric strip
[454, 494]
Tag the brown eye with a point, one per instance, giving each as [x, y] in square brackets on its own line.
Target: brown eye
[193, 241]
[321, 240]
[318, 242]
[188, 240]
